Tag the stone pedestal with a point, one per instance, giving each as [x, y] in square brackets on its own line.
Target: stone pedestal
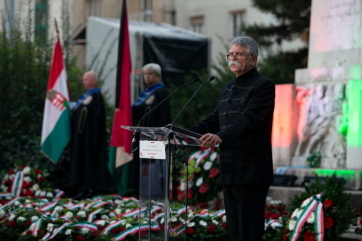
[332, 124]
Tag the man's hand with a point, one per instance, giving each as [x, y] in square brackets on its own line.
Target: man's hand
[210, 140]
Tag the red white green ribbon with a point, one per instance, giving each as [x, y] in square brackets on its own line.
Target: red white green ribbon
[203, 213]
[155, 209]
[58, 230]
[158, 203]
[219, 213]
[99, 221]
[132, 213]
[34, 227]
[111, 226]
[315, 206]
[48, 234]
[159, 216]
[65, 217]
[270, 222]
[11, 202]
[17, 185]
[179, 229]
[319, 223]
[193, 156]
[202, 156]
[92, 215]
[59, 194]
[90, 226]
[181, 210]
[130, 199]
[68, 204]
[75, 206]
[99, 204]
[48, 206]
[89, 205]
[135, 229]
[8, 194]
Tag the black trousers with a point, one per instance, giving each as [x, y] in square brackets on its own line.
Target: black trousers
[244, 206]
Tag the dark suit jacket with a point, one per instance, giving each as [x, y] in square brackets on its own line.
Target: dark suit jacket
[243, 120]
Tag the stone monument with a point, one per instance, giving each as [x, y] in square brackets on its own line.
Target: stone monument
[328, 94]
[333, 80]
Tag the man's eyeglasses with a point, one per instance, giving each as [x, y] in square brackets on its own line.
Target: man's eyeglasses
[237, 55]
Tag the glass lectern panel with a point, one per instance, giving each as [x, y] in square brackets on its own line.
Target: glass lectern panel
[154, 204]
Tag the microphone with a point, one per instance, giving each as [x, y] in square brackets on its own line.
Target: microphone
[170, 134]
[183, 108]
[136, 133]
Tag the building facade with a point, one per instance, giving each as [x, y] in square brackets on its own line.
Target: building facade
[219, 20]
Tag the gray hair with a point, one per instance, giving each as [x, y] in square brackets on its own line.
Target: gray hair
[248, 42]
[156, 68]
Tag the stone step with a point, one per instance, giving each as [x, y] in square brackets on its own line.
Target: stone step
[351, 237]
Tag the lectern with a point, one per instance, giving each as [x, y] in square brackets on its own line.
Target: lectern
[155, 150]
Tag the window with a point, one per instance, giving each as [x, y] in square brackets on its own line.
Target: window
[94, 8]
[170, 16]
[147, 12]
[237, 23]
[41, 21]
[197, 24]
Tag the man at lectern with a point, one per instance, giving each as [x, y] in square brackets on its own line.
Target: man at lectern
[152, 95]
[241, 124]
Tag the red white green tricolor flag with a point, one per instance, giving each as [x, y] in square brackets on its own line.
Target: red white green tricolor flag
[56, 120]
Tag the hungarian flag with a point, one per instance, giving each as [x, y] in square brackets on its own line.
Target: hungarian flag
[56, 119]
[120, 151]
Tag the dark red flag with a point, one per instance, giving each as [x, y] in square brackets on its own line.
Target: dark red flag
[120, 150]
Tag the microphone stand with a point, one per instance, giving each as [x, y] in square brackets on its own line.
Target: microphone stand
[174, 191]
[183, 108]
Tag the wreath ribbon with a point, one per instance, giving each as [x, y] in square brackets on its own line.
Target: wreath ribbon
[17, 185]
[314, 206]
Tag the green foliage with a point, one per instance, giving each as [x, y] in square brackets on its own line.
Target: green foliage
[314, 160]
[280, 67]
[23, 77]
[293, 20]
[24, 73]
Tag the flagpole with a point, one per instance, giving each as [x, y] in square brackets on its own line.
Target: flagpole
[56, 27]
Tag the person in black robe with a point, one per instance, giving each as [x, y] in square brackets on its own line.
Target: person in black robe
[152, 171]
[88, 164]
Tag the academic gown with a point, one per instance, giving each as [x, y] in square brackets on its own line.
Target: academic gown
[89, 142]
